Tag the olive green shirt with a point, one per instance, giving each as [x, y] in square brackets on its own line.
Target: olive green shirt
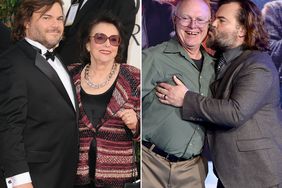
[162, 124]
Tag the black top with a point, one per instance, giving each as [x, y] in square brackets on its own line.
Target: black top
[199, 63]
[95, 105]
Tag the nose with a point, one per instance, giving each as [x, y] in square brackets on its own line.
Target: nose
[213, 23]
[107, 43]
[56, 23]
[193, 23]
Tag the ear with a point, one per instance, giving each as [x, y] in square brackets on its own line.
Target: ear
[88, 46]
[174, 21]
[241, 31]
[27, 24]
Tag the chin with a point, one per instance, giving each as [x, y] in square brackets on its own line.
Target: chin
[50, 45]
[192, 44]
[106, 60]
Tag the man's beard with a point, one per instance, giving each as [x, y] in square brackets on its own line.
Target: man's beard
[221, 41]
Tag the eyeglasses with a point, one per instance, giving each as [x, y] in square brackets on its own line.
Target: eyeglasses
[101, 38]
[188, 20]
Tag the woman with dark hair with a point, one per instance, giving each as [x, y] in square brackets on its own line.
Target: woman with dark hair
[38, 107]
[108, 92]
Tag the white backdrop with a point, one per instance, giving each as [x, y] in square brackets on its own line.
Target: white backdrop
[134, 50]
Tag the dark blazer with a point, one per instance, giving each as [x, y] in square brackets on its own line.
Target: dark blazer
[125, 10]
[39, 123]
[5, 37]
[246, 138]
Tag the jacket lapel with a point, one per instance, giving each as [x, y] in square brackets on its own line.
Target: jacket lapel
[72, 86]
[118, 99]
[224, 77]
[41, 63]
[214, 86]
[46, 68]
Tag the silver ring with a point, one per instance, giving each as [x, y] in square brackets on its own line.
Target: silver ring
[164, 97]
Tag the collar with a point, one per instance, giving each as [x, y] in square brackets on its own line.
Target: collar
[173, 46]
[231, 54]
[38, 45]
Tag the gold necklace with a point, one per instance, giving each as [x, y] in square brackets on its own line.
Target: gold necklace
[99, 85]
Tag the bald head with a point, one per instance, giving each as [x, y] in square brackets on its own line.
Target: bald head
[191, 19]
[195, 3]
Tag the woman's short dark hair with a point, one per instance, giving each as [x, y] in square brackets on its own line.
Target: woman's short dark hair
[25, 12]
[103, 17]
[249, 16]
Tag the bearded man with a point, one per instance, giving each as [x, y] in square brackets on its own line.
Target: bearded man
[243, 117]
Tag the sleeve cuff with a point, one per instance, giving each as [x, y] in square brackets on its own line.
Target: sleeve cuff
[18, 180]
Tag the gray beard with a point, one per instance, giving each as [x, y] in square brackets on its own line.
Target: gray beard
[216, 44]
[221, 41]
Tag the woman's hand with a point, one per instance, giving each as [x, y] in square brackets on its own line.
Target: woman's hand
[129, 117]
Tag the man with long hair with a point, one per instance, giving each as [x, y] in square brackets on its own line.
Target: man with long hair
[171, 152]
[38, 108]
[243, 117]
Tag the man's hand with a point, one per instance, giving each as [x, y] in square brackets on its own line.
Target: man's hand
[172, 95]
[26, 185]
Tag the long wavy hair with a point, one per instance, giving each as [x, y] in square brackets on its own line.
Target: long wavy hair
[249, 16]
[103, 17]
[25, 12]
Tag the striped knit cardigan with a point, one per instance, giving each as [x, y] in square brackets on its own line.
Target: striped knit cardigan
[114, 162]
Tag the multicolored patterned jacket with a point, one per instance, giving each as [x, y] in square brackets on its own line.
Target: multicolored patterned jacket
[114, 162]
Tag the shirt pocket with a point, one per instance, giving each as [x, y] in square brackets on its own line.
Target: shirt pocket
[168, 78]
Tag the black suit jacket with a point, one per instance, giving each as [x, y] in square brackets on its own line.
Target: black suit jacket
[246, 143]
[5, 42]
[5, 37]
[125, 10]
[39, 129]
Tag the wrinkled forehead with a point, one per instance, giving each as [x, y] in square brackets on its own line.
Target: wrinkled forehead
[193, 8]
